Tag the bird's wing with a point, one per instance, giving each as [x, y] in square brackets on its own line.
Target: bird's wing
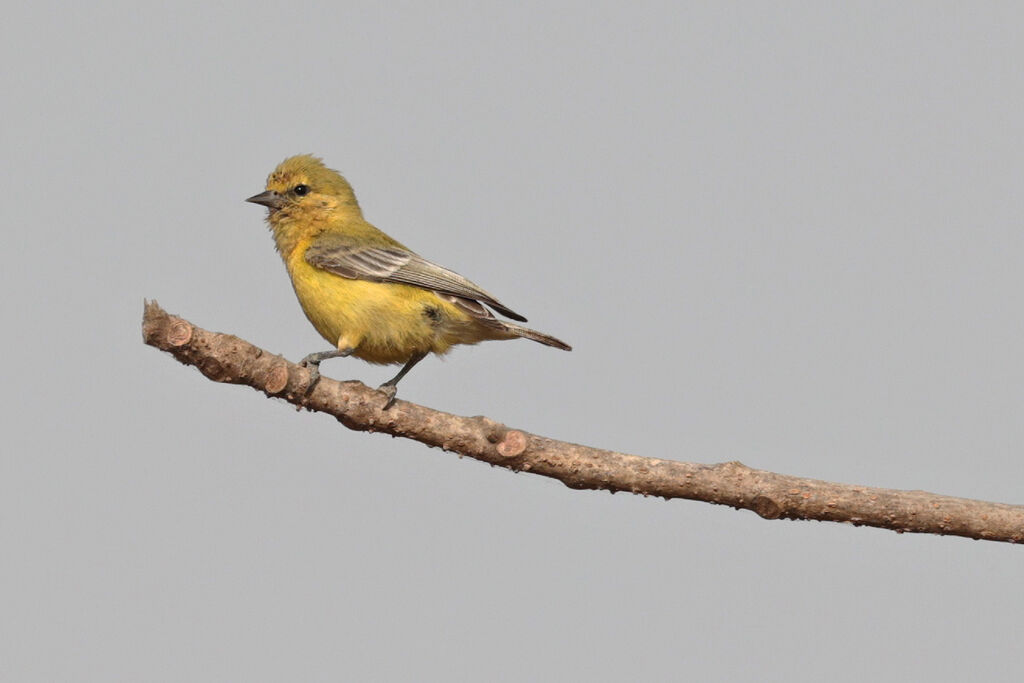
[343, 256]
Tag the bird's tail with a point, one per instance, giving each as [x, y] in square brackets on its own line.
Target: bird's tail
[527, 333]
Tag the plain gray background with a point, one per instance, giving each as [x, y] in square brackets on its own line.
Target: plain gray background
[787, 234]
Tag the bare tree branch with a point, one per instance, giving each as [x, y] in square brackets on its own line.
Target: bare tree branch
[226, 358]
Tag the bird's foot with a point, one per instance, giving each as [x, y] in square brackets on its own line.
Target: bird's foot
[311, 363]
[389, 391]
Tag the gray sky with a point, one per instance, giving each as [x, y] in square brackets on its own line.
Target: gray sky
[787, 234]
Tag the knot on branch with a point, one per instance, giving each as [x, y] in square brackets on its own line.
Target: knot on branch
[512, 445]
[766, 507]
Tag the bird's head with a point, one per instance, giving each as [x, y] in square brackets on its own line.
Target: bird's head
[303, 185]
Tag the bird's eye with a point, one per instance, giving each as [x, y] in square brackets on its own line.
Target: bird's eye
[301, 190]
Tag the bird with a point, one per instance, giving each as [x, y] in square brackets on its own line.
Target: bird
[367, 294]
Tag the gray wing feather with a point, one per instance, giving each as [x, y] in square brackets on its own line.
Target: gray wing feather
[393, 264]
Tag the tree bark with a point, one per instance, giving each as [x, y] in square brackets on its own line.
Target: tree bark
[226, 358]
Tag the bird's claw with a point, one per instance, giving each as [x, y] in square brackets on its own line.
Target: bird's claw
[311, 363]
[389, 391]
[314, 374]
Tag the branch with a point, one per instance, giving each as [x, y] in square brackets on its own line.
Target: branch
[226, 358]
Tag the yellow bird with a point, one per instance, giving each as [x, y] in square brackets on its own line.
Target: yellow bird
[364, 292]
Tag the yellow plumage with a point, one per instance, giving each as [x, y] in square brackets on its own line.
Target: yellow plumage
[364, 292]
[383, 322]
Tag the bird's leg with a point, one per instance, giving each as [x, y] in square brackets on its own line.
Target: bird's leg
[313, 360]
[390, 388]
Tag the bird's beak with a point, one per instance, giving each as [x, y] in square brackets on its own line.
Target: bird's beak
[270, 199]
